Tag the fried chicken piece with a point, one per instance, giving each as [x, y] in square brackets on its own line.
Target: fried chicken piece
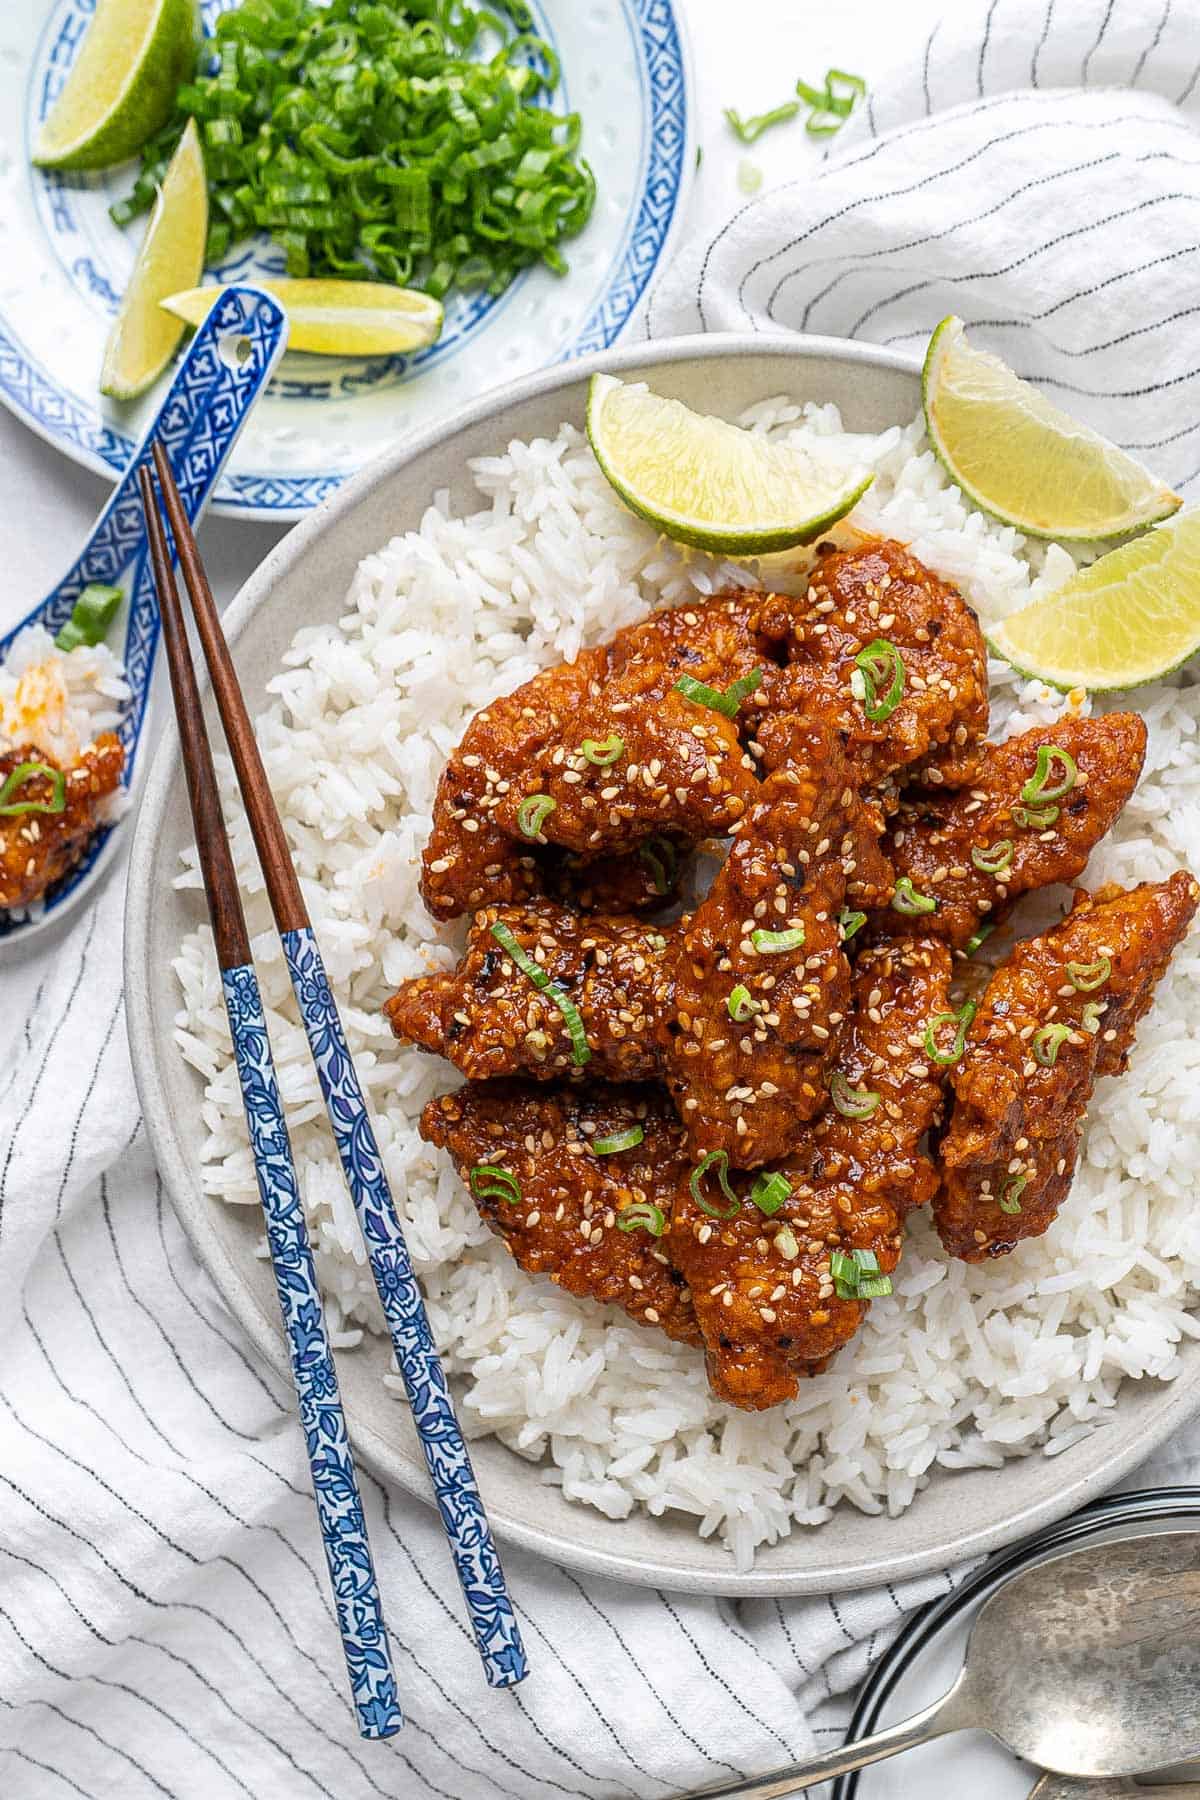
[937, 839]
[39, 848]
[490, 1020]
[567, 1222]
[855, 598]
[762, 1287]
[1060, 1012]
[760, 978]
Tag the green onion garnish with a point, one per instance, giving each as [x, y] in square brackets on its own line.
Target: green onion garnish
[849, 1268]
[642, 1215]
[1010, 1193]
[533, 812]
[580, 1050]
[603, 754]
[620, 1140]
[1034, 816]
[908, 901]
[1093, 1012]
[490, 1182]
[979, 936]
[772, 943]
[832, 107]
[879, 667]
[662, 860]
[1047, 1042]
[995, 858]
[850, 922]
[724, 701]
[769, 1192]
[1083, 977]
[1039, 786]
[389, 141]
[742, 1005]
[962, 1024]
[748, 131]
[91, 616]
[718, 1160]
[33, 771]
[851, 1102]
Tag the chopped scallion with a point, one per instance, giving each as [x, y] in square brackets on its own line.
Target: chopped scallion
[994, 859]
[773, 943]
[770, 1191]
[748, 131]
[720, 700]
[20, 777]
[851, 1102]
[1085, 978]
[533, 812]
[662, 860]
[962, 1024]
[1034, 817]
[856, 1275]
[881, 669]
[1039, 788]
[1010, 1193]
[1047, 1042]
[907, 901]
[620, 1140]
[718, 1160]
[91, 616]
[742, 1005]
[850, 922]
[979, 936]
[490, 1182]
[604, 754]
[580, 1049]
[642, 1215]
[1093, 1012]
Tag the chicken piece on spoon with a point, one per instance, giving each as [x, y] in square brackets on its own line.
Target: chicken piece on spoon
[50, 813]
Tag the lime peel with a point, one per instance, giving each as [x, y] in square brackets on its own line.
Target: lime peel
[336, 318]
[114, 99]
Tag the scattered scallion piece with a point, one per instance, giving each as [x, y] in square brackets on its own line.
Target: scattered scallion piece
[750, 176]
[91, 616]
[620, 1140]
[1039, 788]
[604, 754]
[961, 1021]
[662, 860]
[856, 1275]
[1010, 1193]
[533, 812]
[1047, 1042]
[720, 700]
[831, 107]
[879, 670]
[490, 1182]
[909, 902]
[851, 1102]
[742, 1005]
[1093, 1012]
[1085, 978]
[850, 922]
[718, 1160]
[1034, 817]
[773, 943]
[769, 1192]
[642, 1215]
[979, 936]
[995, 859]
[580, 1049]
[23, 774]
[748, 131]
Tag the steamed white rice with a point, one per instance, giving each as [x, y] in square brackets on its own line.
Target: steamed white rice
[962, 1366]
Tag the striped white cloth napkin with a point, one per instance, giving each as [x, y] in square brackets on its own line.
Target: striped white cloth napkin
[164, 1623]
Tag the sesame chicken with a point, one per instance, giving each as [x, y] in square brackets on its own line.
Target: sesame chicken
[1059, 1013]
[39, 848]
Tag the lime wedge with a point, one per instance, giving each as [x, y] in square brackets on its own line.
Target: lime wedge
[143, 338]
[1131, 618]
[337, 318]
[1021, 459]
[123, 84]
[708, 483]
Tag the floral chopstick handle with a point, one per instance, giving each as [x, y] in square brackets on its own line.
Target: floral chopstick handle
[459, 1502]
[339, 1505]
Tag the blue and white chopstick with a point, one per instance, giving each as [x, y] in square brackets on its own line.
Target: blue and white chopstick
[339, 1505]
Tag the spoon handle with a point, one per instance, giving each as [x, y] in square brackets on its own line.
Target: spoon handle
[944, 1715]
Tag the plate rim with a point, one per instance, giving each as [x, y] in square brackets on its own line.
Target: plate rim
[20, 376]
[1175, 1401]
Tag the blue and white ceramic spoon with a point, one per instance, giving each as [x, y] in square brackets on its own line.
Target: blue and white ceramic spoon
[224, 370]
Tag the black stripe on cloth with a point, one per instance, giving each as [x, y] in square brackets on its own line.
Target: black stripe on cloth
[35, 1763]
[715, 1675]
[1040, 45]
[1083, 72]
[791, 1642]
[1190, 89]
[839, 1621]
[983, 46]
[73, 1141]
[90, 1730]
[925, 69]
[26, 1036]
[1152, 46]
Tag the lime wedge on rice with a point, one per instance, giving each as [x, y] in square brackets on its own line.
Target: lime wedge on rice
[1019, 458]
[336, 318]
[123, 83]
[707, 483]
[1132, 617]
[143, 338]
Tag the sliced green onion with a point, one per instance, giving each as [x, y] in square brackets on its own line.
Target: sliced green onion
[1039, 787]
[533, 812]
[851, 1102]
[849, 1268]
[881, 668]
[748, 131]
[1036, 817]
[1010, 1193]
[91, 616]
[995, 858]
[750, 176]
[909, 902]
[725, 700]
[33, 771]
[773, 943]
[620, 1140]
[875, 1288]
[742, 1005]
[850, 922]
[1047, 1042]
[718, 1160]
[769, 1192]
[580, 1049]
[642, 1215]
[490, 1182]
[662, 860]
[962, 1024]
[1093, 1012]
[1083, 977]
[979, 936]
[603, 754]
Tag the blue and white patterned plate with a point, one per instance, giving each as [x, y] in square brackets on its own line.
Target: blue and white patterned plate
[63, 265]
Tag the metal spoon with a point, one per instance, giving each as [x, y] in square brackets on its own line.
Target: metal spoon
[1086, 1664]
[1068, 1787]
